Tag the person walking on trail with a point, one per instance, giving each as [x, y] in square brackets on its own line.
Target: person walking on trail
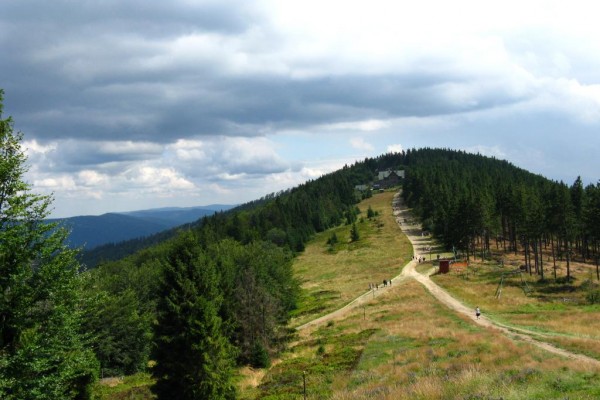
[477, 312]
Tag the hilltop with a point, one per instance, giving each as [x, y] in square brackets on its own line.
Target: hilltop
[342, 238]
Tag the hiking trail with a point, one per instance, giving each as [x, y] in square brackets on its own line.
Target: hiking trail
[415, 235]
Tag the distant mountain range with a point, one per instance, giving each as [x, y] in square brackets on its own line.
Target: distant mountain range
[93, 231]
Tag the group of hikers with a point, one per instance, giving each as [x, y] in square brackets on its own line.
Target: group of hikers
[375, 286]
[421, 259]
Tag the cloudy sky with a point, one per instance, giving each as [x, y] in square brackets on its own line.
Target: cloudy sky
[132, 104]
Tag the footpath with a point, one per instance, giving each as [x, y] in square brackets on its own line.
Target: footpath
[421, 243]
[416, 237]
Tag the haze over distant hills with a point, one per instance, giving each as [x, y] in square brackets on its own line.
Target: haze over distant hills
[95, 230]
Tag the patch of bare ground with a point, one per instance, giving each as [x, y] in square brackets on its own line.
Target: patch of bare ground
[111, 382]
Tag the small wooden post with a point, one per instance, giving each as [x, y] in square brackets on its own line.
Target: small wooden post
[304, 379]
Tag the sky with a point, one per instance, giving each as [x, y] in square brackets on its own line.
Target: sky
[136, 104]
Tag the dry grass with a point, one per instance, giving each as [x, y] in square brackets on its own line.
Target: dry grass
[556, 310]
[405, 345]
[420, 350]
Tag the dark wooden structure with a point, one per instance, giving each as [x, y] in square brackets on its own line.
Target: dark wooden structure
[444, 266]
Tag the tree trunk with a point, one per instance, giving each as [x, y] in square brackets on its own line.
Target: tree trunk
[541, 260]
[553, 257]
[568, 261]
[535, 256]
[596, 248]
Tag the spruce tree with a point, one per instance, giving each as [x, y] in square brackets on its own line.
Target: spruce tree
[354, 235]
[42, 352]
[194, 359]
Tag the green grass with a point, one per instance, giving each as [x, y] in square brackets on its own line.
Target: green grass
[133, 387]
[347, 268]
[320, 360]
[406, 345]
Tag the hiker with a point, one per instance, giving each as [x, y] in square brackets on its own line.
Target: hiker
[477, 312]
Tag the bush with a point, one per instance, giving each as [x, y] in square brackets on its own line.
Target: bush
[333, 239]
[593, 297]
[321, 350]
[259, 358]
[370, 213]
[354, 235]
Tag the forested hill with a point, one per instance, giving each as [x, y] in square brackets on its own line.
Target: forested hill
[439, 182]
[234, 268]
[288, 217]
[465, 199]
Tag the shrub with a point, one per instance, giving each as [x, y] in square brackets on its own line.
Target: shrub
[259, 358]
[593, 297]
[333, 239]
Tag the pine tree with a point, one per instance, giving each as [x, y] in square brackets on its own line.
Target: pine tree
[194, 359]
[42, 353]
[354, 235]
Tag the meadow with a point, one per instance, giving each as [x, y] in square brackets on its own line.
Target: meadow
[332, 276]
[562, 313]
[404, 344]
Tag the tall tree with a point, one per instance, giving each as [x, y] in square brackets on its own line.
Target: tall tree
[194, 359]
[42, 353]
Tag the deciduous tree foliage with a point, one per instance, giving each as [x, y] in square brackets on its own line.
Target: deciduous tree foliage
[42, 351]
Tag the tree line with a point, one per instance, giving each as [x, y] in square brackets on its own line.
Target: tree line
[474, 202]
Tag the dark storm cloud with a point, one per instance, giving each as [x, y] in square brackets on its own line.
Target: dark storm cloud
[101, 71]
[75, 155]
[62, 60]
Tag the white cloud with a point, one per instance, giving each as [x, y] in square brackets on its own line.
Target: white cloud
[58, 183]
[580, 100]
[365, 126]
[216, 188]
[92, 178]
[157, 179]
[489, 151]
[225, 157]
[361, 144]
[394, 148]
[33, 147]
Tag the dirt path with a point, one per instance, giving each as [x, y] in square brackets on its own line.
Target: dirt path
[360, 300]
[419, 241]
[413, 233]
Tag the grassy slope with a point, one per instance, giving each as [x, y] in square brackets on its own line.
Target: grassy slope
[404, 344]
[556, 310]
[332, 278]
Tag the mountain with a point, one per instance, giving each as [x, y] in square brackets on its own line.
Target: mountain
[175, 216]
[93, 231]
